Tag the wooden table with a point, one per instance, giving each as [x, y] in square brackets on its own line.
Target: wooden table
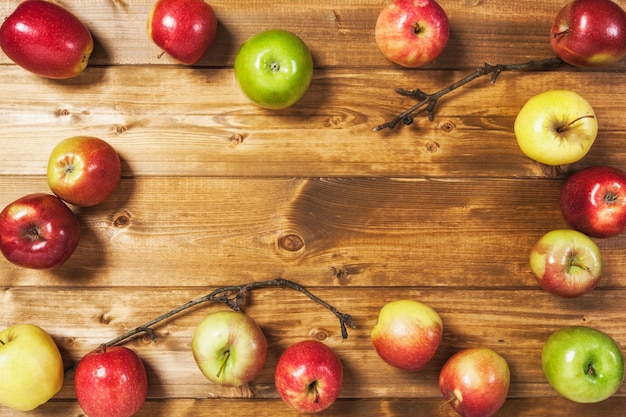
[443, 211]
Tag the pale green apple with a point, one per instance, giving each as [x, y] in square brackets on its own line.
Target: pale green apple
[229, 348]
[556, 127]
[583, 364]
[30, 365]
[274, 68]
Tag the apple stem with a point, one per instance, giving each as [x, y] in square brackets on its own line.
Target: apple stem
[429, 101]
[234, 297]
[579, 264]
[223, 365]
[570, 124]
[316, 393]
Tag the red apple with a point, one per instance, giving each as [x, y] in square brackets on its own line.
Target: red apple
[84, 170]
[475, 382]
[412, 33]
[46, 39]
[593, 201]
[407, 334]
[38, 231]
[589, 33]
[185, 29]
[566, 262]
[309, 376]
[111, 382]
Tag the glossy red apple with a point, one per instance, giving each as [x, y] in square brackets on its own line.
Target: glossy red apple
[46, 39]
[111, 382]
[593, 201]
[407, 334]
[412, 33]
[589, 33]
[309, 376]
[38, 231]
[185, 29]
[84, 170]
[475, 382]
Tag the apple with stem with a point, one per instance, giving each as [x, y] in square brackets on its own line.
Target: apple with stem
[593, 201]
[38, 231]
[111, 382]
[412, 33]
[583, 364]
[46, 39]
[31, 367]
[274, 68]
[84, 170]
[475, 382]
[309, 376]
[185, 29]
[589, 33]
[407, 334]
[229, 347]
[566, 262]
[556, 127]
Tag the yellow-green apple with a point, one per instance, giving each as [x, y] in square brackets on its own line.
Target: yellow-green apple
[84, 170]
[185, 29]
[412, 33]
[309, 376]
[556, 127]
[475, 382]
[583, 364]
[229, 348]
[46, 39]
[111, 382]
[31, 367]
[407, 334]
[38, 231]
[593, 201]
[589, 33]
[566, 262]
[274, 68]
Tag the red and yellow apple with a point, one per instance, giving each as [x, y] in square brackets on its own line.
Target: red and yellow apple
[407, 334]
[84, 170]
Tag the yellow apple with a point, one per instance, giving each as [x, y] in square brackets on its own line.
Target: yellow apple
[556, 127]
[31, 367]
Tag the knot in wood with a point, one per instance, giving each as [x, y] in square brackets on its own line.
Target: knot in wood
[432, 147]
[121, 220]
[291, 242]
[447, 126]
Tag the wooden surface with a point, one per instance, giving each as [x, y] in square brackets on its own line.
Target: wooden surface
[444, 212]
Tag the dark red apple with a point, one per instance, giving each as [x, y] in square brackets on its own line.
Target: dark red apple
[593, 201]
[46, 39]
[111, 382]
[589, 33]
[309, 376]
[38, 231]
[185, 29]
[84, 170]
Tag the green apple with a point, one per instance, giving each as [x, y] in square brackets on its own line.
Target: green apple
[274, 68]
[229, 348]
[31, 367]
[556, 127]
[583, 364]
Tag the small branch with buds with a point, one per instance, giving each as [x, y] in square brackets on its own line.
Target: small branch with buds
[234, 297]
[429, 101]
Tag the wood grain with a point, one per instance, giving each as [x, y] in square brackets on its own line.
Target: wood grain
[216, 192]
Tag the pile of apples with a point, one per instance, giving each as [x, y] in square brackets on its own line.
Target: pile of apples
[274, 70]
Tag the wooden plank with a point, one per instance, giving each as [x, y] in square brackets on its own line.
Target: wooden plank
[354, 232]
[339, 33]
[472, 317]
[182, 122]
